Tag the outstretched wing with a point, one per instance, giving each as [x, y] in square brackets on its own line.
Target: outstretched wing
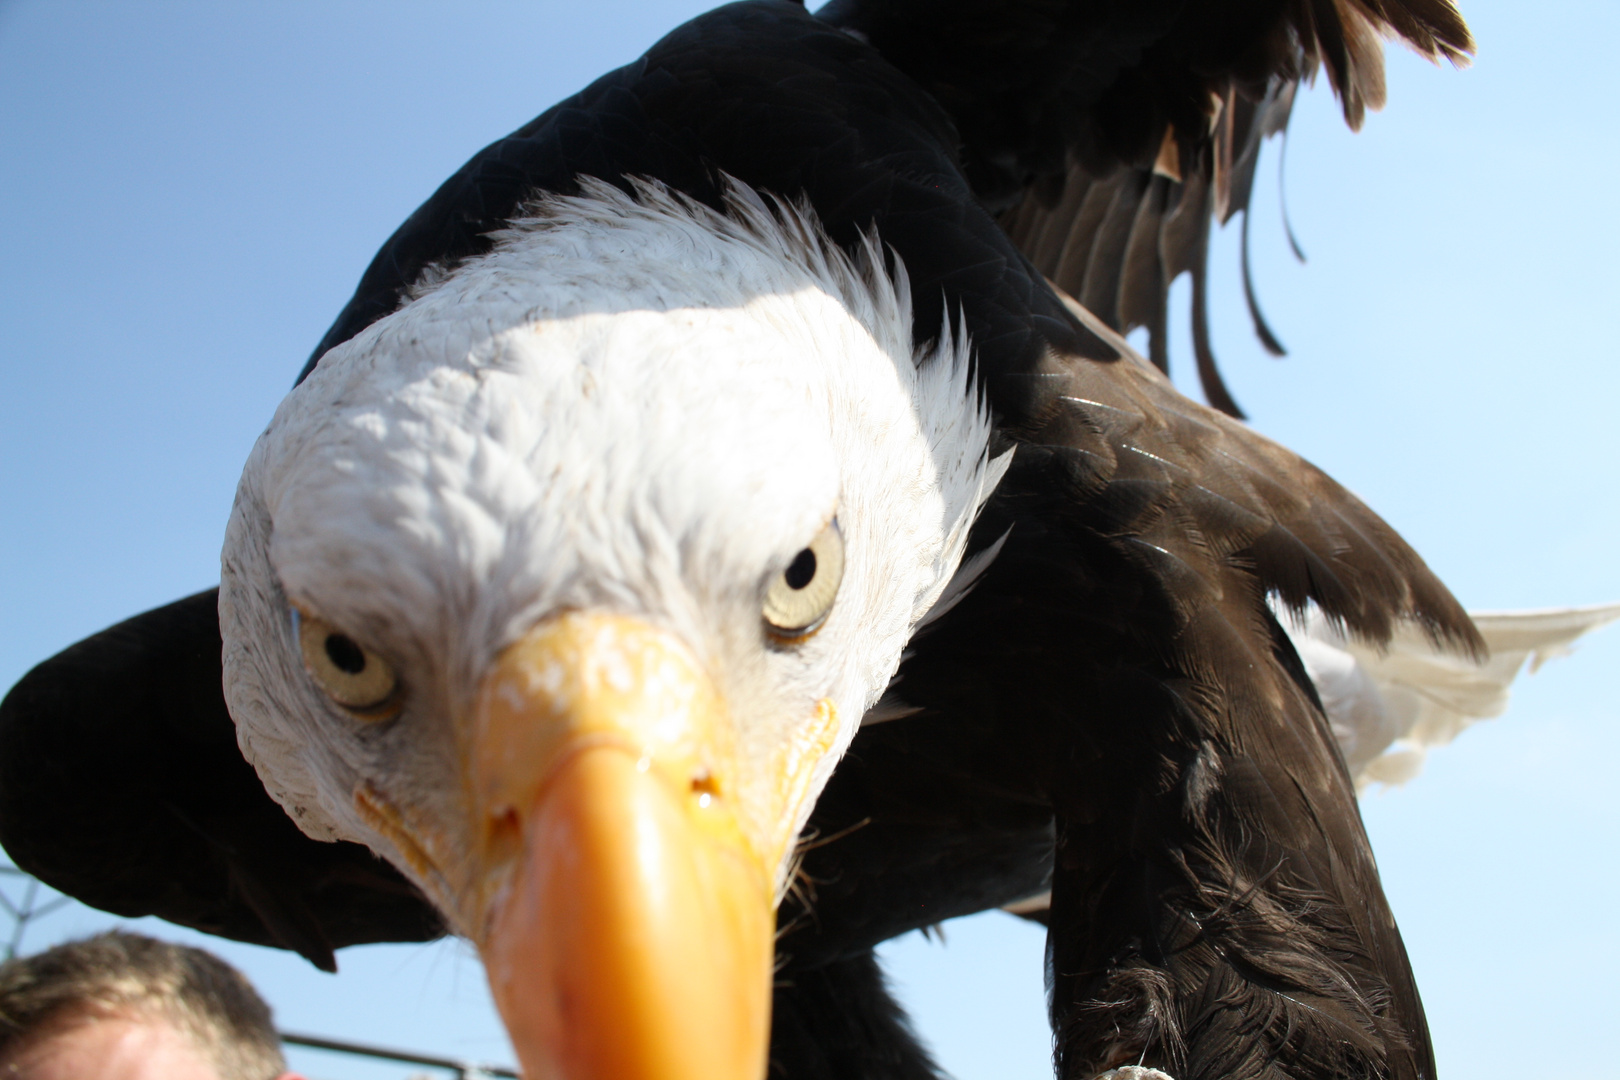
[1108, 138]
[1117, 241]
[1215, 902]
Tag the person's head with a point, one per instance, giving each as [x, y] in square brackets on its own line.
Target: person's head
[125, 1007]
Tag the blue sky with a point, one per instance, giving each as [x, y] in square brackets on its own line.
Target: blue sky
[188, 192]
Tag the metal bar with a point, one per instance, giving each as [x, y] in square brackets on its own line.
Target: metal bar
[462, 1067]
[51, 905]
[21, 924]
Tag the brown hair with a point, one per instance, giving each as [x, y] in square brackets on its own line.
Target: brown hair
[119, 973]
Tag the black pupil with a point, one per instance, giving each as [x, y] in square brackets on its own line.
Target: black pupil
[801, 570]
[345, 655]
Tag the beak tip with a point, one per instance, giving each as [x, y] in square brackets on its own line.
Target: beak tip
[631, 946]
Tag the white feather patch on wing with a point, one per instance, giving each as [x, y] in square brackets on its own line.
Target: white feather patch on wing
[1389, 707]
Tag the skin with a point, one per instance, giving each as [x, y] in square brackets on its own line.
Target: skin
[113, 1047]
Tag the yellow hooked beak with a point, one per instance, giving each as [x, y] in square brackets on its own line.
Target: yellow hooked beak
[627, 863]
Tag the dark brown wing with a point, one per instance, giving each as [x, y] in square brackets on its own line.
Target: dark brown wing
[121, 785]
[1215, 903]
[1234, 504]
[1117, 242]
[1108, 138]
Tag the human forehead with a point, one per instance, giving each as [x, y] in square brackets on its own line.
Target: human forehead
[121, 1045]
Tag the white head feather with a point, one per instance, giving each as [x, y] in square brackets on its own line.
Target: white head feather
[634, 404]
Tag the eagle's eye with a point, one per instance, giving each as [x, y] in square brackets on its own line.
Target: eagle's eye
[352, 675]
[799, 598]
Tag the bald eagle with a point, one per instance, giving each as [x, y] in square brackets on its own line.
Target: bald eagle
[726, 529]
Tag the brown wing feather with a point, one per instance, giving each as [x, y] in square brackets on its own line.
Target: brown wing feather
[1141, 276]
[1226, 490]
[1178, 228]
[1247, 96]
[1216, 910]
[1105, 263]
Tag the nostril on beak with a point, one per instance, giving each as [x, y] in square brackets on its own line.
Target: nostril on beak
[705, 787]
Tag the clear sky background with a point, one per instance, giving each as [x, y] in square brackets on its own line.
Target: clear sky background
[189, 191]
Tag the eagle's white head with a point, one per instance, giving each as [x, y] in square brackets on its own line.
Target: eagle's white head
[564, 587]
